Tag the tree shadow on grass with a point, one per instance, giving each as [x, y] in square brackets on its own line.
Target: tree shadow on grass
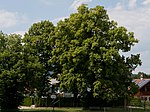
[31, 110]
[41, 110]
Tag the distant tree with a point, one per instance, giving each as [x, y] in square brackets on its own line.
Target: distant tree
[143, 75]
[10, 75]
[37, 52]
[88, 47]
[134, 76]
[139, 75]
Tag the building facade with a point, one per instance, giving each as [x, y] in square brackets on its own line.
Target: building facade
[144, 88]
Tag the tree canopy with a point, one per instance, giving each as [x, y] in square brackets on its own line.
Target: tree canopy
[88, 47]
[37, 52]
[10, 76]
[24, 64]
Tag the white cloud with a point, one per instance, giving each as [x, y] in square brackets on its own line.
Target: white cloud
[132, 3]
[10, 19]
[146, 2]
[7, 19]
[77, 3]
[119, 6]
[46, 2]
[19, 32]
[58, 19]
[136, 20]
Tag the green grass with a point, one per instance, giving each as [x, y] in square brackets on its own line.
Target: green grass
[80, 110]
[51, 110]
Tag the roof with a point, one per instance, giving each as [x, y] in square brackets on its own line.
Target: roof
[141, 82]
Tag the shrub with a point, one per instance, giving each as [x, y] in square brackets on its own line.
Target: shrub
[136, 102]
[27, 101]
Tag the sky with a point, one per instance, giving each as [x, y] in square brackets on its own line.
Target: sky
[17, 16]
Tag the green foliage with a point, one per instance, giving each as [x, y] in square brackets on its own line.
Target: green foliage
[27, 101]
[88, 51]
[24, 64]
[37, 52]
[136, 102]
[10, 83]
[138, 76]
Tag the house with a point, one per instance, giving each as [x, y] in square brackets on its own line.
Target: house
[144, 88]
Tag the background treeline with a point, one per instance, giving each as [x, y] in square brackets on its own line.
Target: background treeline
[138, 75]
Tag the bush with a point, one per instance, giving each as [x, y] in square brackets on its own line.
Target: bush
[46, 102]
[27, 101]
[136, 102]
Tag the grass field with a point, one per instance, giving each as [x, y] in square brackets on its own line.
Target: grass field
[52, 110]
[79, 110]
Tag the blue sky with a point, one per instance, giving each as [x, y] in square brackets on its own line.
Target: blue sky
[16, 16]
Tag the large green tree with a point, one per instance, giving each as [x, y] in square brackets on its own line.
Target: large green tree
[89, 49]
[10, 75]
[37, 52]
[24, 64]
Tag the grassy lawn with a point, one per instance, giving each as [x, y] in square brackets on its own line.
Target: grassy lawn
[51, 110]
[80, 110]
